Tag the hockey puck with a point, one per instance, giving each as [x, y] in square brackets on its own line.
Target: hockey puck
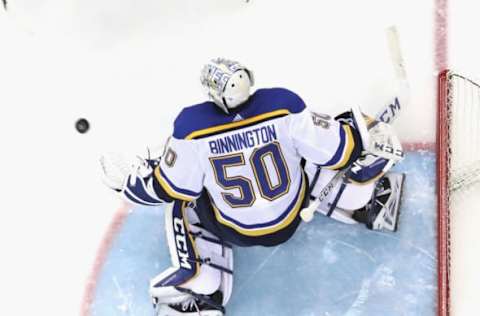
[82, 125]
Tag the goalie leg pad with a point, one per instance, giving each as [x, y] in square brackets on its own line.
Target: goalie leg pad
[200, 262]
[353, 197]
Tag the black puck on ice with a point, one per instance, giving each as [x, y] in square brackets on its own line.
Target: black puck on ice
[82, 125]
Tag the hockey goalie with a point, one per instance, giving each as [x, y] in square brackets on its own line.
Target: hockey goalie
[238, 170]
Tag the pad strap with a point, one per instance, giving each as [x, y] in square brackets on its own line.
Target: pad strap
[337, 197]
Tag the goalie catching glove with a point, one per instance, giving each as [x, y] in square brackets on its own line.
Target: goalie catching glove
[134, 181]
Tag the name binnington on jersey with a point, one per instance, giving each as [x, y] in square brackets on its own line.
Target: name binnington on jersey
[243, 140]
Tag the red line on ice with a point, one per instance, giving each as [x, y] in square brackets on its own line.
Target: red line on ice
[427, 146]
[441, 34]
[102, 253]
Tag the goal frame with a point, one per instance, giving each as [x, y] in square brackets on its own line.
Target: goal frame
[443, 211]
[444, 183]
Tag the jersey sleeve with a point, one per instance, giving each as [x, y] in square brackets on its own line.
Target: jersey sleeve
[323, 140]
[179, 172]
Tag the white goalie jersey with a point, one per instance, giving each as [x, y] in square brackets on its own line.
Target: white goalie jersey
[249, 163]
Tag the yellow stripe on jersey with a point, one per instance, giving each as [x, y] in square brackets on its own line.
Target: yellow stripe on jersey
[248, 121]
[268, 230]
[170, 191]
[348, 149]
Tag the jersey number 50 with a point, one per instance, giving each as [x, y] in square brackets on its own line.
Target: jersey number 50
[269, 188]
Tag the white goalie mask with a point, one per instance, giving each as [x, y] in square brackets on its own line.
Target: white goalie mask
[227, 83]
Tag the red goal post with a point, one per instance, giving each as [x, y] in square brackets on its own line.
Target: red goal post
[443, 237]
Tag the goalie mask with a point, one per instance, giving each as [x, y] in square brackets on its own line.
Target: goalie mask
[227, 83]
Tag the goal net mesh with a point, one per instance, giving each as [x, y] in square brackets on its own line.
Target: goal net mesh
[458, 172]
[464, 114]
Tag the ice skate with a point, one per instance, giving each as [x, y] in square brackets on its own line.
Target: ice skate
[383, 211]
[198, 305]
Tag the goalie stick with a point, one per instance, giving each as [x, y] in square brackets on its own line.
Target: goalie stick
[387, 115]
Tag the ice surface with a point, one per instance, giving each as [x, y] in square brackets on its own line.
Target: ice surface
[326, 269]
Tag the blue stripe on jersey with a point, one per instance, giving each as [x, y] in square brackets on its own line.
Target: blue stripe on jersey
[207, 114]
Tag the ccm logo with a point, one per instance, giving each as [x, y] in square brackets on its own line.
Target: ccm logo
[391, 111]
[181, 243]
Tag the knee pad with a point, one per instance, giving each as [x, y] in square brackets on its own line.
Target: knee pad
[201, 262]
